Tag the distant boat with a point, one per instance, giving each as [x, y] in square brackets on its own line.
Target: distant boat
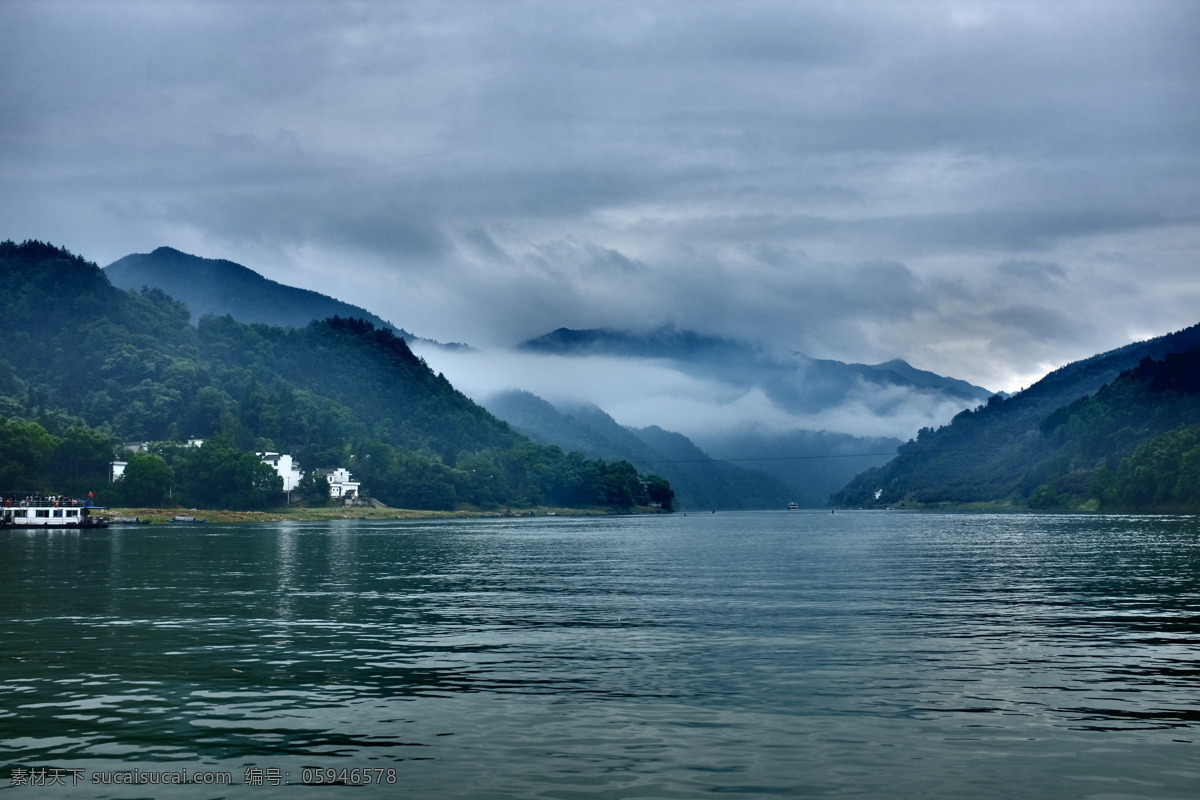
[792, 506]
[187, 520]
[50, 512]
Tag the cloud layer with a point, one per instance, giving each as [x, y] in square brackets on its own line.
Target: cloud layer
[640, 392]
[985, 189]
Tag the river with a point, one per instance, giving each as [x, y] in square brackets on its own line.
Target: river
[758, 654]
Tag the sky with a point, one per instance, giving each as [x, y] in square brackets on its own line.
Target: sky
[988, 190]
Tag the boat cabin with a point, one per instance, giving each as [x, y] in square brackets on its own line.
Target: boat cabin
[49, 512]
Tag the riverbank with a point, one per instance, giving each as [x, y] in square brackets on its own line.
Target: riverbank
[162, 516]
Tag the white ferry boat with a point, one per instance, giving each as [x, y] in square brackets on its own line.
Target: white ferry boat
[50, 512]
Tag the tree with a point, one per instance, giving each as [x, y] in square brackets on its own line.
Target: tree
[81, 461]
[312, 489]
[659, 491]
[1045, 497]
[25, 450]
[218, 475]
[258, 485]
[146, 482]
[479, 481]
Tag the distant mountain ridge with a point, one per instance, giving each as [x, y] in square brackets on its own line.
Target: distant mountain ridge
[663, 342]
[220, 287]
[795, 381]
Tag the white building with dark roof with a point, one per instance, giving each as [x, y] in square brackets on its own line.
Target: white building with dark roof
[285, 467]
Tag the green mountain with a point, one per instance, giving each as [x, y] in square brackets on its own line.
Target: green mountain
[1116, 431]
[699, 482]
[219, 287]
[86, 364]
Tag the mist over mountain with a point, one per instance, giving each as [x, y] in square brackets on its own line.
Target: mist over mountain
[686, 381]
[664, 342]
[812, 464]
[699, 481]
[219, 287]
[796, 427]
[793, 380]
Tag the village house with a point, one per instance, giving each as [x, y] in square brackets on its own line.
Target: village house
[342, 485]
[285, 467]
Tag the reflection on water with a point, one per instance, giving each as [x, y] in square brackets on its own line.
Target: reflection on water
[769, 654]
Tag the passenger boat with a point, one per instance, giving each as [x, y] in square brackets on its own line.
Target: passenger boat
[792, 506]
[50, 512]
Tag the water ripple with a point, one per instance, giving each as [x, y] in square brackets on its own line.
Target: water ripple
[764, 655]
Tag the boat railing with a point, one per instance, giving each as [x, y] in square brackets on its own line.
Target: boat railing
[44, 501]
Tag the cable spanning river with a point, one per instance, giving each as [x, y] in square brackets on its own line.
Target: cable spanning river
[771, 654]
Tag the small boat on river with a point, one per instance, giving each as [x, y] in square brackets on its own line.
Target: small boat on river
[50, 513]
[792, 506]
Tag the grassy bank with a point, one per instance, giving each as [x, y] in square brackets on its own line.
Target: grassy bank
[162, 516]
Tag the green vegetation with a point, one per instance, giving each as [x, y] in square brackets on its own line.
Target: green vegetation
[1133, 445]
[697, 480]
[217, 287]
[87, 366]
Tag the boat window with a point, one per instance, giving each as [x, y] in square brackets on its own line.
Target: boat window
[41, 512]
[58, 512]
[72, 512]
[19, 513]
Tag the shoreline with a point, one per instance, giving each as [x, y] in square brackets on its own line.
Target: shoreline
[163, 516]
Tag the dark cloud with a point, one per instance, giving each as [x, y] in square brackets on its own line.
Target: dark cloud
[1043, 274]
[1038, 322]
[969, 185]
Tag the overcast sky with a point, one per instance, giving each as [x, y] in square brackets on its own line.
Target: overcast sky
[988, 190]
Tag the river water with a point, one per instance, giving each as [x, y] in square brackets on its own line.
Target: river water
[769, 654]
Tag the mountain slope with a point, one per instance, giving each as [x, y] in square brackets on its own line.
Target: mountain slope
[218, 287]
[1075, 426]
[698, 480]
[715, 484]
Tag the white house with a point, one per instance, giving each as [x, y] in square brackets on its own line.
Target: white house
[118, 470]
[285, 467]
[341, 484]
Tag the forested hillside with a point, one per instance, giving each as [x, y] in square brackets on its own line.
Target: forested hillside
[87, 366]
[1129, 442]
[699, 481]
[216, 287]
